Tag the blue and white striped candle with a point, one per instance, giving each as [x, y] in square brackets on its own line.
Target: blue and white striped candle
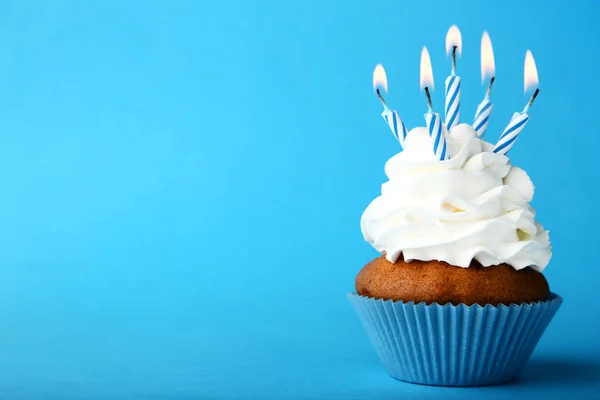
[391, 117]
[452, 100]
[511, 132]
[436, 132]
[519, 120]
[432, 119]
[488, 69]
[484, 110]
[453, 45]
[482, 116]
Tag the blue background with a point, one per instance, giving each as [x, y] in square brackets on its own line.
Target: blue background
[182, 184]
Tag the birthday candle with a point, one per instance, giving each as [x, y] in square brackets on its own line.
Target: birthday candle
[432, 119]
[484, 110]
[454, 45]
[436, 132]
[391, 117]
[511, 132]
[482, 116]
[519, 120]
[396, 125]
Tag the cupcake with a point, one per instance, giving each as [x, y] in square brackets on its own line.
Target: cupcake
[457, 296]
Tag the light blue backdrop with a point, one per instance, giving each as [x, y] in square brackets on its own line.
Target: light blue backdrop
[182, 183]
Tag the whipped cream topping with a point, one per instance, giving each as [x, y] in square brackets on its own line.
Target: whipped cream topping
[474, 205]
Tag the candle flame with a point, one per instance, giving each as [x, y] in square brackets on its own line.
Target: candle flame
[379, 78]
[488, 66]
[530, 74]
[426, 72]
[453, 38]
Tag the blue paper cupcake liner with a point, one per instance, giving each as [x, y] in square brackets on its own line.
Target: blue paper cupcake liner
[454, 345]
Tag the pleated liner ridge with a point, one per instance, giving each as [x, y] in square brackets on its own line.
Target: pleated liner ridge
[454, 345]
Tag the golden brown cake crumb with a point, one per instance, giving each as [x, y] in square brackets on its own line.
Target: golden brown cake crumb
[437, 281]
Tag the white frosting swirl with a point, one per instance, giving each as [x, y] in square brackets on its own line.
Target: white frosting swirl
[473, 206]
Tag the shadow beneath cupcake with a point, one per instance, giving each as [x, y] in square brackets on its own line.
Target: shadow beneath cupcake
[560, 371]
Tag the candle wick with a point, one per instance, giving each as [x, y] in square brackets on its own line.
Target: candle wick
[454, 59]
[531, 100]
[381, 98]
[489, 89]
[428, 95]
